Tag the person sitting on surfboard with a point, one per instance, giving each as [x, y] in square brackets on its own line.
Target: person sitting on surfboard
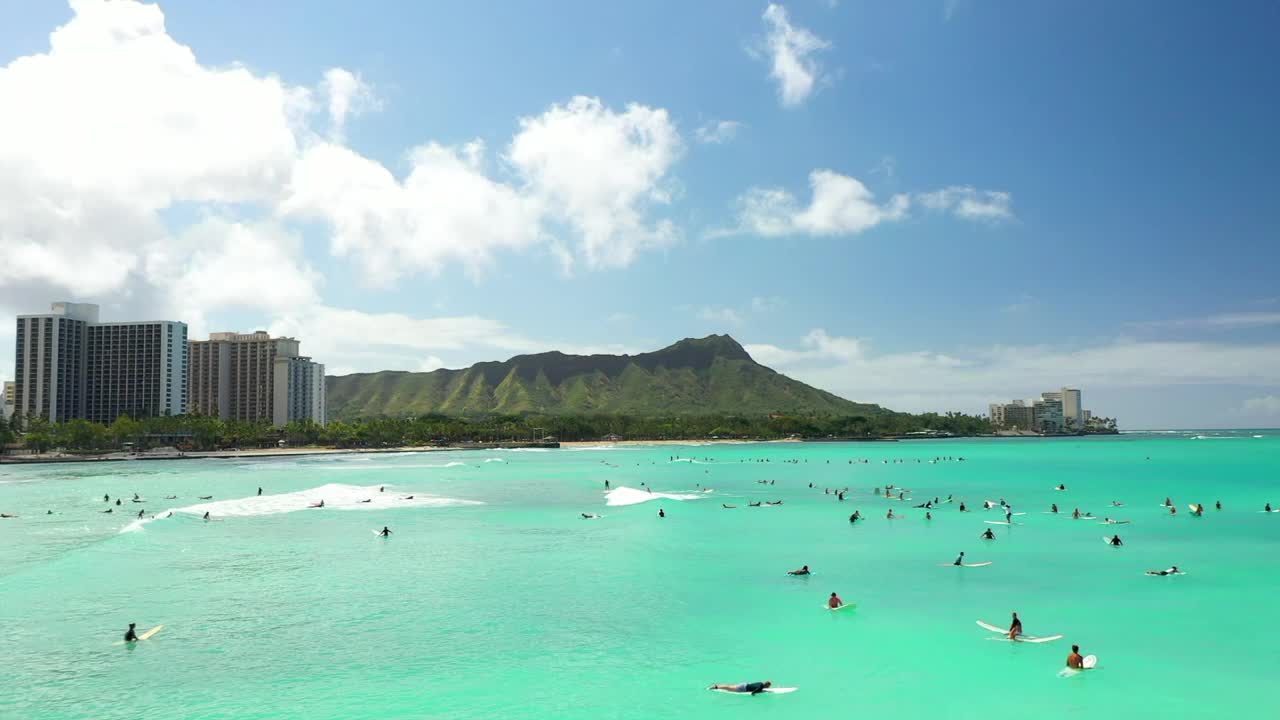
[928, 516]
[1061, 487]
[1015, 629]
[1053, 508]
[960, 560]
[802, 571]
[386, 531]
[962, 507]
[1267, 508]
[130, 635]
[1171, 571]
[1075, 660]
[754, 688]
[1115, 540]
[835, 601]
[988, 535]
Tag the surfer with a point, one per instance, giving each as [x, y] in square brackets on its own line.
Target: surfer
[589, 516]
[382, 488]
[606, 484]
[117, 501]
[1061, 487]
[835, 601]
[367, 500]
[206, 516]
[141, 513]
[1218, 505]
[1171, 571]
[728, 507]
[170, 497]
[754, 688]
[1054, 508]
[1008, 514]
[206, 497]
[109, 510]
[802, 571]
[928, 516]
[1173, 509]
[1075, 514]
[1015, 629]
[962, 507]
[960, 560]
[662, 513]
[106, 498]
[317, 505]
[385, 532]
[988, 535]
[1168, 502]
[1116, 541]
[1075, 660]
[7, 515]
[259, 492]
[1267, 508]
[130, 635]
[890, 516]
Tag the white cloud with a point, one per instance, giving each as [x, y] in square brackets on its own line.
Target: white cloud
[929, 380]
[767, 304]
[1221, 321]
[840, 205]
[789, 50]
[718, 132]
[720, 315]
[969, 203]
[1268, 406]
[348, 96]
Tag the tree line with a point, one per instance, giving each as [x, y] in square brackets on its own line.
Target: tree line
[192, 432]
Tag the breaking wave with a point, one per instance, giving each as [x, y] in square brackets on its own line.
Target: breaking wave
[632, 496]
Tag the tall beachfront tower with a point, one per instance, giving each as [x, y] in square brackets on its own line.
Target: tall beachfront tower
[50, 360]
[254, 376]
[68, 365]
[138, 369]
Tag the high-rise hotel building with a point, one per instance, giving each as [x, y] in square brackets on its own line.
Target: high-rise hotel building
[254, 376]
[68, 365]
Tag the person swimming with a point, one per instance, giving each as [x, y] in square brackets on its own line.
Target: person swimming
[130, 635]
[802, 571]
[928, 516]
[1015, 629]
[385, 532]
[988, 535]
[754, 688]
[1075, 660]
[1171, 571]
[834, 601]
[662, 513]
[106, 498]
[1116, 541]
[728, 507]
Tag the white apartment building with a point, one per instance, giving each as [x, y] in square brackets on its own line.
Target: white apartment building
[253, 376]
[299, 391]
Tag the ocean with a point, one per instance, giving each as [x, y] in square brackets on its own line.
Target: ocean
[494, 597]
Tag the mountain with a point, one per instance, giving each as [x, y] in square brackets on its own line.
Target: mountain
[705, 376]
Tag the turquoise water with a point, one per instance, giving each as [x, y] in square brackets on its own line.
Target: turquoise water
[515, 606]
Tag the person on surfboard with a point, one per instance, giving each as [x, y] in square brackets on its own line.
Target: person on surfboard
[1015, 629]
[386, 531]
[835, 601]
[206, 516]
[1116, 541]
[1171, 571]
[988, 535]
[130, 635]
[1075, 660]
[802, 571]
[960, 560]
[754, 688]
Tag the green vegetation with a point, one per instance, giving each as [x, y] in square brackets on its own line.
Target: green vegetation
[707, 376]
[202, 433]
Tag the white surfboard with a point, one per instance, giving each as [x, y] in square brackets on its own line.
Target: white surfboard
[999, 522]
[981, 564]
[1107, 540]
[1194, 508]
[144, 636]
[1156, 574]
[845, 606]
[991, 627]
[772, 690]
[1090, 662]
[1115, 522]
[1029, 638]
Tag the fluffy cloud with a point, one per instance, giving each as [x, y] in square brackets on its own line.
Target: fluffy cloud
[841, 205]
[969, 203]
[348, 96]
[720, 316]
[927, 380]
[717, 133]
[790, 49]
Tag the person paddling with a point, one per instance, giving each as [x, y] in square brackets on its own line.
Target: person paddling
[802, 571]
[754, 688]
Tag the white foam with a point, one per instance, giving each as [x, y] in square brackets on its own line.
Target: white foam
[632, 496]
[364, 468]
[524, 449]
[489, 460]
[335, 496]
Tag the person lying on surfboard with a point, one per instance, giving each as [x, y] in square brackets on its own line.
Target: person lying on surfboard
[1015, 629]
[835, 601]
[130, 635]
[802, 571]
[1171, 571]
[988, 535]
[1075, 660]
[754, 688]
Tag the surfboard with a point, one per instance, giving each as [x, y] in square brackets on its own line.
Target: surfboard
[790, 574]
[1193, 507]
[1090, 662]
[772, 690]
[845, 606]
[999, 522]
[1029, 638]
[981, 564]
[1107, 540]
[991, 627]
[144, 636]
[1115, 522]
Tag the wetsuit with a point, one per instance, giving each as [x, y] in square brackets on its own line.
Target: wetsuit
[753, 688]
[130, 635]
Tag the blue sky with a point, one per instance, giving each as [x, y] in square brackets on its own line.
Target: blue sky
[931, 205]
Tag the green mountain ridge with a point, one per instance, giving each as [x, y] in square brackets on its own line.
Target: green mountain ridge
[703, 376]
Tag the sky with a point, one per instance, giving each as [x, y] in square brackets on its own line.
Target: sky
[929, 205]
